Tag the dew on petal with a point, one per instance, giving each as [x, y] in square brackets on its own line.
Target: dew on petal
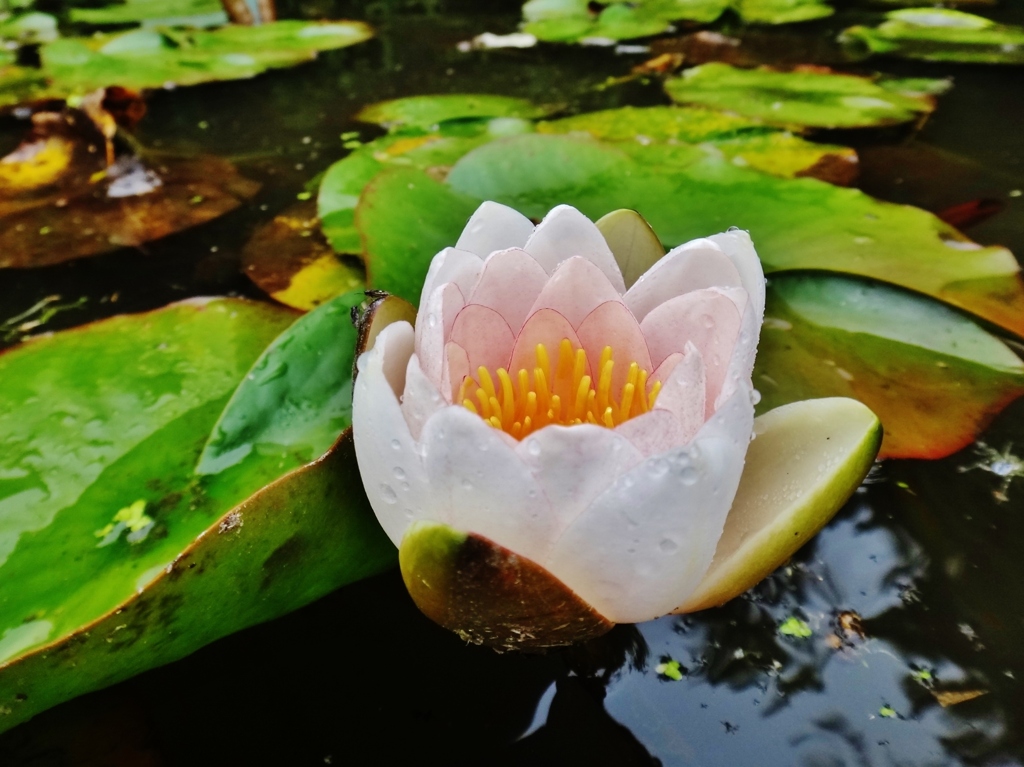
[388, 494]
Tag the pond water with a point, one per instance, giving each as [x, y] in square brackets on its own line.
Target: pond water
[914, 593]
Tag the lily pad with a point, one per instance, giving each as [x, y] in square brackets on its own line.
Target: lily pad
[434, 152]
[157, 58]
[795, 223]
[430, 111]
[810, 99]
[742, 140]
[192, 13]
[934, 378]
[102, 477]
[579, 20]
[941, 34]
[289, 258]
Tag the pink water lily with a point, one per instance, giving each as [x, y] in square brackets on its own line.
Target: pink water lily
[595, 428]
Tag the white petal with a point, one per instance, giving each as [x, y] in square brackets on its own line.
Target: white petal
[420, 399]
[576, 288]
[695, 265]
[476, 475]
[575, 464]
[564, 233]
[393, 474]
[741, 365]
[433, 328]
[643, 546]
[451, 265]
[736, 244]
[510, 283]
[494, 227]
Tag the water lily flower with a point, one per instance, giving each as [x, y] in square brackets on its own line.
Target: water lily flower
[593, 428]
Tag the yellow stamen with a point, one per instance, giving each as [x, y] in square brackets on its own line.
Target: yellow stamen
[572, 393]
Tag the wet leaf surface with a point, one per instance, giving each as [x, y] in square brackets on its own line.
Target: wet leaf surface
[429, 111]
[291, 261]
[158, 58]
[941, 34]
[193, 13]
[129, 517]
[812, 99]
[907, 358]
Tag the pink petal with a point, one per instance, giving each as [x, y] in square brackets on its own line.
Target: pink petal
[576, 288]
[451, 265]
[707, 319]
[684, 391]
[546, 327]
[564, 233]
[509, 284]
[657, 431]
[484, 335]
[433, 327]
[456, 368]
[492, 227]
[612, 324]
[695, 265]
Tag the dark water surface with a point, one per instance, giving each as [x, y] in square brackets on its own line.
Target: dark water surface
[917, 586]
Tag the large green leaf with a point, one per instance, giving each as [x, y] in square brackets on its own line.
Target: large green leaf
[933, 377]
[937, 34]
[686, 193]
[154, 58]
[193, 13]
[811, 99]
[742, 140]
[107, 424]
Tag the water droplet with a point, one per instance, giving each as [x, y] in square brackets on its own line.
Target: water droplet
[708, 320]
[467, 485]
[432, 320]
[533, 447]
[668, 546]
[396, 445]
[755, 396]
[657, 468]
[399, 473]
[388, 493]
[405, 487]
[408, 513]
[688, 476]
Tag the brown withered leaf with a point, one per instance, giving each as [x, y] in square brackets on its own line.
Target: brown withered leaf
[947, 698]
[289, 258]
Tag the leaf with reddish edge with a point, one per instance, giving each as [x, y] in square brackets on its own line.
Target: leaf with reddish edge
[933, 377]
[489, 595]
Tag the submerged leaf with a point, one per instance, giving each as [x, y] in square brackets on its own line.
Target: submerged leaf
[289, 259]
[812, 99]
[933, 377]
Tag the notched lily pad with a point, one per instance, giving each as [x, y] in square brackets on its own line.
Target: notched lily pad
[934, 378]
[940, 34]
[813, 99]
[289, 258]
[490, 596]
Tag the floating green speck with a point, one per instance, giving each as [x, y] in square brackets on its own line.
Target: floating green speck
[670, 669]
[794, 627]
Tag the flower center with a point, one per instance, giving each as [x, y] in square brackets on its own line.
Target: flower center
[567, 396]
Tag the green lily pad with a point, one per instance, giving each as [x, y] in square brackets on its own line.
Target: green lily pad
[795, 223]
[155, 58]
[193, 13]
[434, 152]
[580, 20]
[810, 99]
[940, 34]
[28, 28]
[744, 141]
[933, 377]
[106, 424]
[429, 111]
